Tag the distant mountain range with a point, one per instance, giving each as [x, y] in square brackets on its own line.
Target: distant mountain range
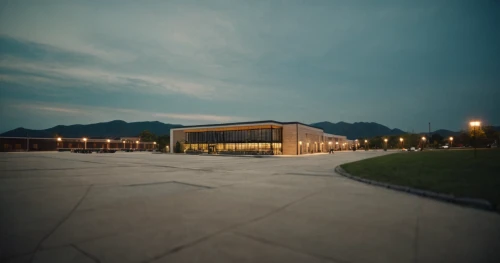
[118, 128]
[445, 133]
[110, 129]
[357, 129]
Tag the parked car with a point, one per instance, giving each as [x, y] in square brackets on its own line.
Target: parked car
[412, 149]
[444, 147]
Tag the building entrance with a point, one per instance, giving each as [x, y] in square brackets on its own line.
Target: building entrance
[211, 149]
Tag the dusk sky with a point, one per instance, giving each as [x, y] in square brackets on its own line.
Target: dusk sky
[398, 63]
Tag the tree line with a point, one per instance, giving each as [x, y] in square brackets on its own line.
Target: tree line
[484, 137]
[161, 140]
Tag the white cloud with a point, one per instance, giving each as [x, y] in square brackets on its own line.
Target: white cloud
[38, 107]
[197, 117]
[98, 112]
[142, 83]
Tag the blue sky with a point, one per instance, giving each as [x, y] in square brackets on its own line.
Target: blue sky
[398, 63]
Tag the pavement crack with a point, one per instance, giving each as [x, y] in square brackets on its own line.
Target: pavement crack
[199, 240]
[94, 258]
[278, 209]
[271, 243]
[417, 226]
[60, 223]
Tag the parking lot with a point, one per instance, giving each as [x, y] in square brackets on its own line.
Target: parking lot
[144, 207]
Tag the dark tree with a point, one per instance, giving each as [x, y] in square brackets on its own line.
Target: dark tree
[436, 139]
[178, 147]
[147, 136]
[162, 142]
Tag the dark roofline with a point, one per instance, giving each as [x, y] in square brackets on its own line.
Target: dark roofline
[296, 122]
[243, 123]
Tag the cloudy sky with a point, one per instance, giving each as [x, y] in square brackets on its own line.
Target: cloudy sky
[399, 63]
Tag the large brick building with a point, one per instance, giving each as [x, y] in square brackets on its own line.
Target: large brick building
[262, 137]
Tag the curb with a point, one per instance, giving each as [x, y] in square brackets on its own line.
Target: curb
[471, 202]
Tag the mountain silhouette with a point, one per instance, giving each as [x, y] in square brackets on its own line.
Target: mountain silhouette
[112, 129]
[119, 128]
[357, 129]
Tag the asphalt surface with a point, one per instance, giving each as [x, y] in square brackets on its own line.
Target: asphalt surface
[143, 207]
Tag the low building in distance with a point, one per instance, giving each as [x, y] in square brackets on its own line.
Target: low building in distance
[260, 137]
[10, 144]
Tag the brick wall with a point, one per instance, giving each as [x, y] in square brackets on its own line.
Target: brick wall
[177, 136]
[290, 139]
[306, 135]
[312, 136]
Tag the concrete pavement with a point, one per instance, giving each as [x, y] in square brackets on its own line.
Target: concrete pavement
[143, 207]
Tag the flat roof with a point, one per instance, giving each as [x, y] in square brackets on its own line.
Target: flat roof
[243, 123]
[334, 135]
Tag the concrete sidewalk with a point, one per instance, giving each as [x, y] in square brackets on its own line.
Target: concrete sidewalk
[133, 207]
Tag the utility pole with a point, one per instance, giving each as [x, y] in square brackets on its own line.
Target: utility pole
[475, 154]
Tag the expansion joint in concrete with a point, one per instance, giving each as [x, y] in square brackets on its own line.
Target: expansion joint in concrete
[60, 223]
[92, 257]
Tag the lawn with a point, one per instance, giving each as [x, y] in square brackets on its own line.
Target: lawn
[454, 172]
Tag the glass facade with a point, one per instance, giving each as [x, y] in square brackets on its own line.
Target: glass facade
[245, 141]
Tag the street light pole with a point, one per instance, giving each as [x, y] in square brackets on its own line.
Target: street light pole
[401, 140]
[366, 145]
[385, 140]
[475, 124]
[451, 142]
[475, 142]
[85, 142]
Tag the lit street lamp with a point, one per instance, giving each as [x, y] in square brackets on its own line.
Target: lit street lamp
[366, 145]
[475, 124]
[137, 144]
[123, 144]
[337, 145]
[451, 142]
[385, 140]
[401, 140]
[423, 143]
[356, 144]
[58, 140]
[108, 140]
[85, 141]
[154, 143]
